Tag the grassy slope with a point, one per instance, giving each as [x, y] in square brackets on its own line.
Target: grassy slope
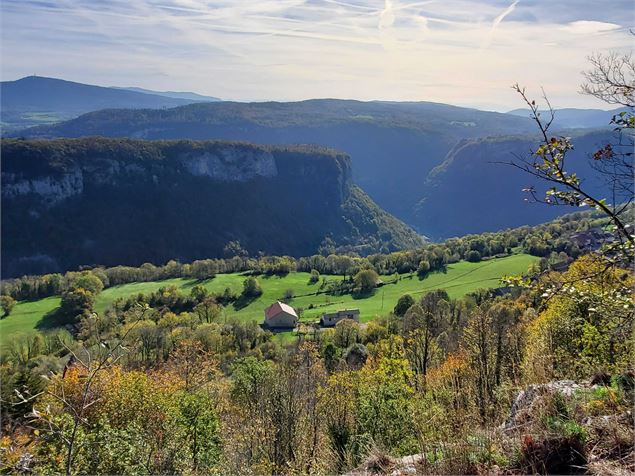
[460, 278]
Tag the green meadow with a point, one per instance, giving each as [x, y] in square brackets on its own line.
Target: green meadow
[459, 279]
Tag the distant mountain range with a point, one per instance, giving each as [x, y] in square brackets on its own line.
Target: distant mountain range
[572, 118]
[173, 94]
[37, 100]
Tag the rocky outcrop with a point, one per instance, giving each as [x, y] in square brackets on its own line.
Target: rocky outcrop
[231, 164]
[520, 412]
[50, 189]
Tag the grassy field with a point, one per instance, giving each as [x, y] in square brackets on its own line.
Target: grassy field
[459, 279]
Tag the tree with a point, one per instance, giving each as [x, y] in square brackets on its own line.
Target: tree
[473, 256]
[404, 303]
[7, 303]
[347, 332]
[330, 355]
[85, 280]
[207, 310]
[76, 303]
[479, 344]
[233, 249]
[366, 280]
[385, 397]
[423, 323]
[202, 430]
[424, 268]
[203, 269]
[199, 292]
[251, 288]
[611, 79]
[315, 276]
[87, 367]
[587, 327]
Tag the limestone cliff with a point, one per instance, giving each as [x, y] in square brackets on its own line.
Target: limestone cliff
[70, 202]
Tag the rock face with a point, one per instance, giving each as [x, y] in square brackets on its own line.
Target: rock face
[528, 396]
[50, 189]
[231, 164]
[121, 201]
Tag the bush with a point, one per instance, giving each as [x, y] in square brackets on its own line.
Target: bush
[473, 256]
[7, 303]
[251, 288]
[315, 276]
[553, 455]
[405, 302]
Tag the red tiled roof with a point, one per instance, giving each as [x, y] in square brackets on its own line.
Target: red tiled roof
[278, 307]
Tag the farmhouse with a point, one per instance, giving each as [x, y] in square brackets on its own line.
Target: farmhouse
[329, 319]
[280, 316]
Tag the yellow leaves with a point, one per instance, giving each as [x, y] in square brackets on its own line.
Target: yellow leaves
[13, 448]
[454, 367]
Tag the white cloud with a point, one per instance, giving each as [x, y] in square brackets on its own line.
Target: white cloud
[588, 27]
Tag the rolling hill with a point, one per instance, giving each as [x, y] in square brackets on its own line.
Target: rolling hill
[460, 279]
[36, 100]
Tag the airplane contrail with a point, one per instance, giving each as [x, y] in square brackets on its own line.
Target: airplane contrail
[495, 23]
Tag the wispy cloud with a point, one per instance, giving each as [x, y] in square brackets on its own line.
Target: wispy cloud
[497, 21]
[458, 51]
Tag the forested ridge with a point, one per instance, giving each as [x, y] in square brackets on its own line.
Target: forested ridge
[129, 201]
[396, 150]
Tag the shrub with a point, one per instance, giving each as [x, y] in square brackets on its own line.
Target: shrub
[404, 303]
[251, 288]
[473, 256]
[366, 280]
[7, 303]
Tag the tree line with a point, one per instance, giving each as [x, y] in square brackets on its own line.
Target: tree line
[542, 240]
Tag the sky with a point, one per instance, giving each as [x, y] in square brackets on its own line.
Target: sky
[462, 52]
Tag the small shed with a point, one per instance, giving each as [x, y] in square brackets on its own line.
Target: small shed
[280, 316]
[329, 319]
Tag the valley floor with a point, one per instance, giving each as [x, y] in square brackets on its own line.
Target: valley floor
[459, 279]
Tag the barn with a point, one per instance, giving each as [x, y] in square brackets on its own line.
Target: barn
[280, 316]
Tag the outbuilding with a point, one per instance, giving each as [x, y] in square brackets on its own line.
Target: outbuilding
[329, 319]
[280, 316]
